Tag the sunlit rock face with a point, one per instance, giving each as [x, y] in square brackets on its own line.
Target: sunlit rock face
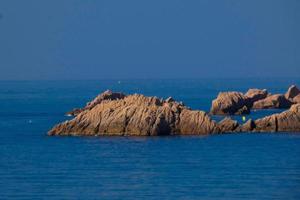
[117, 114]
[230, 103]
[272, 101]
[253, 95]
[287, 121]
[137, 115]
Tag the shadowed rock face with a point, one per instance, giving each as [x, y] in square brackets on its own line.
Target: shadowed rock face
[273, 101]
[230, 103]
[292, 92]
[137, 115]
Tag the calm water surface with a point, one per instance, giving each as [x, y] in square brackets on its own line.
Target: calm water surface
[238, 166]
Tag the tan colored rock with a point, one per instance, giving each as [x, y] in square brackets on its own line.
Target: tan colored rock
[195, 122]
[107, 95]
[273, 101]
[230, 103]
[137, 115]
[256, 94]
[287, 121]
[296, 99]
[248, 126]
[228, 125]
[292, 92]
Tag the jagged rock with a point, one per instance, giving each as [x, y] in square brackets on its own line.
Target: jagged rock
[195, 122]
[248, 126]
[137, 115]
[273, 101]
[287, 121]
[256, 94]
[292, 92]
[107, 95]
[230, 103]
[228, 125]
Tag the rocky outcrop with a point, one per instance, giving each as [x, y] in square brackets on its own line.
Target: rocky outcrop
[292, 92]
[228, 125]
[287, 121]
[273, 101]
[107, 95]
[115, 114]
[137, 115]
[236, 103]
[253, 95]
[248, 126]
[230, 103]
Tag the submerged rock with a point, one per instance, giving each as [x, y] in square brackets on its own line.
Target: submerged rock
[230, 103]
[273, 101]
[137, 115]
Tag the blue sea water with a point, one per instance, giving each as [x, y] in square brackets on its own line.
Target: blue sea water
[232, 166]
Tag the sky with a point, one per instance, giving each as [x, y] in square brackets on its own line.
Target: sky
[114, 39]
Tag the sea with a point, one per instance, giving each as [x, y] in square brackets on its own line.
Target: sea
[228, 166]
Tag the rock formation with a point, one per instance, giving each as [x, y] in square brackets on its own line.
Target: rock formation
[107, 95]
[228, 125]
[115, 114]
[273, 101]
[286, 121]
[253, 95]
[136, 115]
[248, 126]
[230, 103]
[236, 103]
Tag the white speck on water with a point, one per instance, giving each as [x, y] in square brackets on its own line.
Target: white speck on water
[30, 121]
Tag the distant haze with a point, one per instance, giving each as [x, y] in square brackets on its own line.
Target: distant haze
[109, 39]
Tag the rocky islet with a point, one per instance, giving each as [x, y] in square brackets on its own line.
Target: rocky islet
[117, 114]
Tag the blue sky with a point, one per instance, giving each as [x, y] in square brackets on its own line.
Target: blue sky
[72, 39]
